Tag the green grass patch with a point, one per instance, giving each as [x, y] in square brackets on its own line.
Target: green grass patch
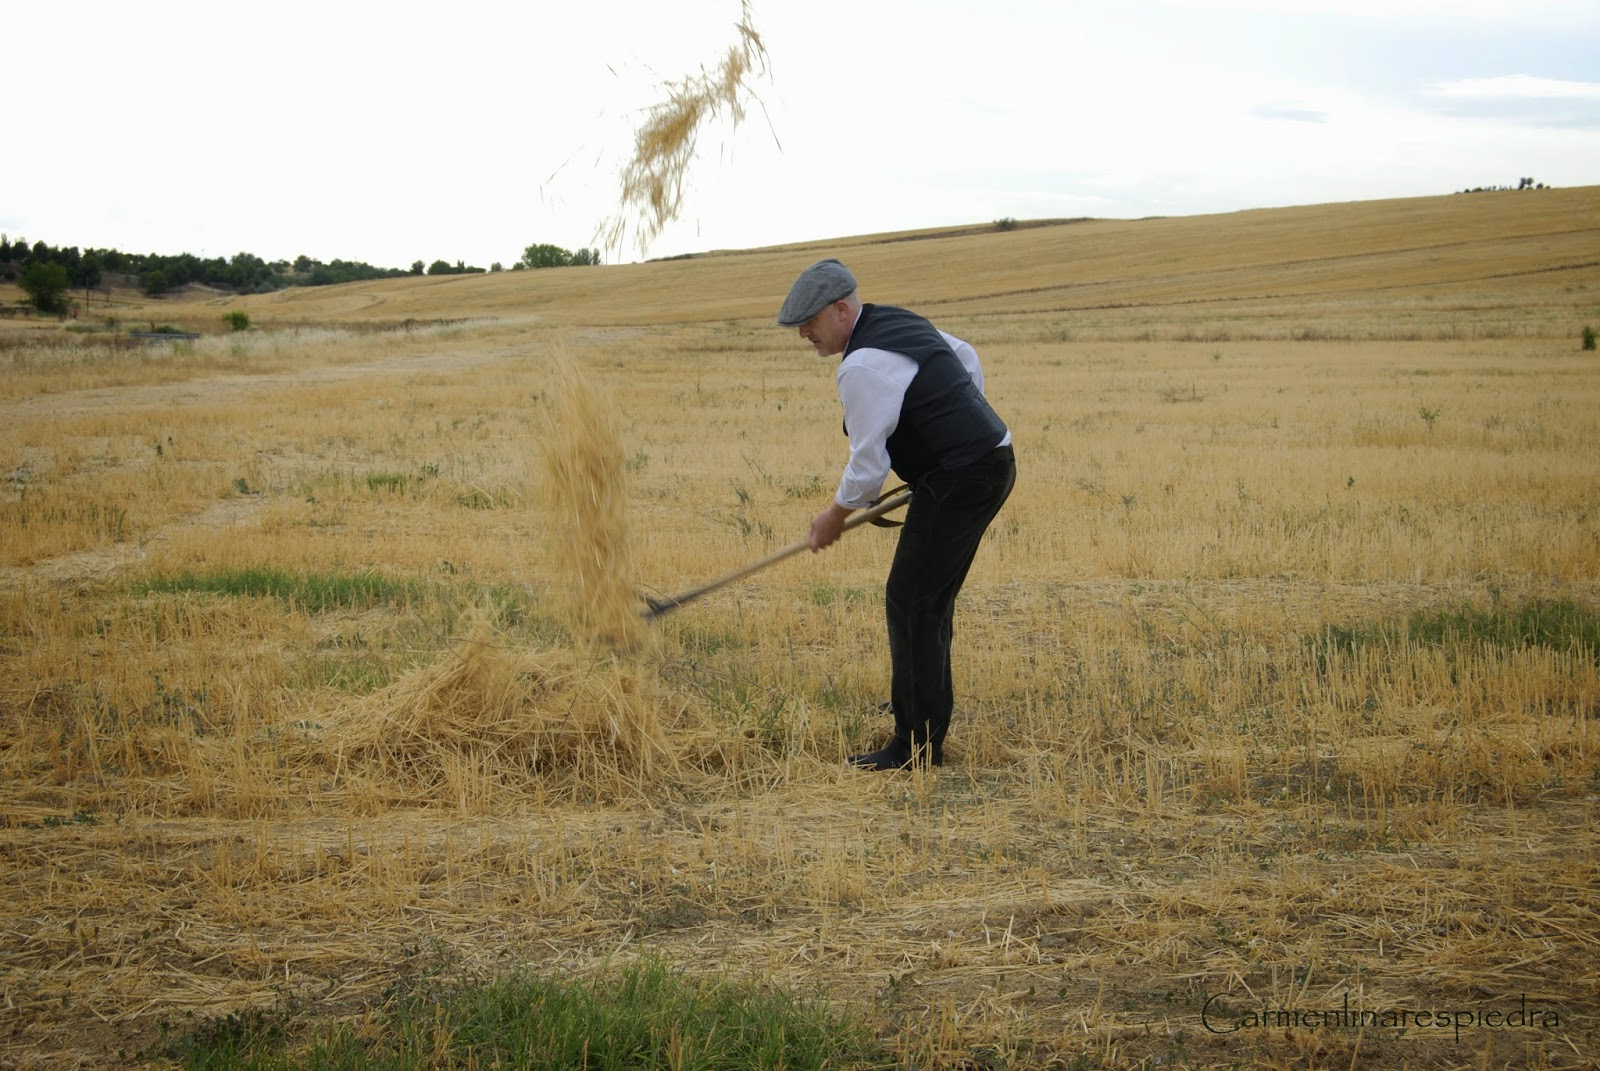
[1555, 624]
[313, 592]
[515, 607]
[828, 595]
[646, 1016]
[701, 641]
[518, 611]
[360, 675]
[390, 482]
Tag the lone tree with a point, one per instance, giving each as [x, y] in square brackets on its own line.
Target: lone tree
[545, 255]
[46, 286]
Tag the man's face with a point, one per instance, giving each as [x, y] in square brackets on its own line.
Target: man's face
[829, 330]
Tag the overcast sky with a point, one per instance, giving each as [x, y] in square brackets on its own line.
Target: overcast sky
[396, 131]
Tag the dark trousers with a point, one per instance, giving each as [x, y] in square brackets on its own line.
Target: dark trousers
[948, 515]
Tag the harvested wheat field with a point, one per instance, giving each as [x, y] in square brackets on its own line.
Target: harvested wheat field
[1278, 678]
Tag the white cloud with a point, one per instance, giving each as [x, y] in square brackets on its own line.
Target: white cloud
[1520, 99]
[1515, 87]
[1291, 113]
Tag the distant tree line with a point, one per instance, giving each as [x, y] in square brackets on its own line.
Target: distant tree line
[1522, 184]
[442, 267]
[156, 274]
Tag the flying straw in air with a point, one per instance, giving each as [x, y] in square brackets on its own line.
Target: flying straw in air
[586, 499]
[652, 180]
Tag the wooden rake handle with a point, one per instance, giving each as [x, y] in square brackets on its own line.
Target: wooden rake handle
[657, 607]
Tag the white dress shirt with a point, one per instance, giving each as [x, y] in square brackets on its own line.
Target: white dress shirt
[872, 386]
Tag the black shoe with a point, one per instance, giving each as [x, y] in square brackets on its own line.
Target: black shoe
[887, 707]
[896, 755]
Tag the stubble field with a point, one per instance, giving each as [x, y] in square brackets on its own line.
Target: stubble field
[1277, 678]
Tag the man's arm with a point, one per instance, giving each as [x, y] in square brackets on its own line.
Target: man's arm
[872, 386]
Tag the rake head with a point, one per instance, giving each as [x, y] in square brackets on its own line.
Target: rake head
[657, 607]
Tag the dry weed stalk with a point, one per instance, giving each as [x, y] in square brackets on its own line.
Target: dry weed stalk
[652, 181]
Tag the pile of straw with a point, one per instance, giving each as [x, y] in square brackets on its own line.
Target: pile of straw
[585, 497]
[491, 718]
[488, 719]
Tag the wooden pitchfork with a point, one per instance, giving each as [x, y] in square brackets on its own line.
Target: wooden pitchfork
[888, 504]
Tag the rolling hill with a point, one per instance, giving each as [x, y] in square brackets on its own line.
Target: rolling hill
[1484, 251]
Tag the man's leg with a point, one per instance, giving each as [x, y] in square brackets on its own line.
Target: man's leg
[944, 526]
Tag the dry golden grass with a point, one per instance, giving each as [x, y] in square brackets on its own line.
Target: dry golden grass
[314, 702]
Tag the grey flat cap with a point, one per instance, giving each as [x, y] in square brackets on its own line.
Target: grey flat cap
[819, 286]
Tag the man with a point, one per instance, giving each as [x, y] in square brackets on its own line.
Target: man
[913, 401]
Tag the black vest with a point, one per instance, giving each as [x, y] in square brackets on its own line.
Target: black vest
[944, 421]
